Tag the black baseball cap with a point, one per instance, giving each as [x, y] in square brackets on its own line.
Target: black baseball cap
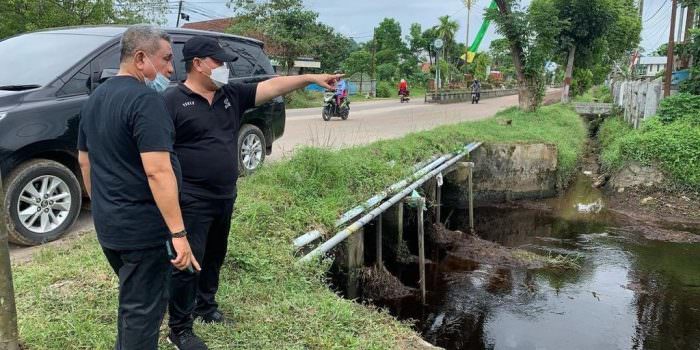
[202, 46]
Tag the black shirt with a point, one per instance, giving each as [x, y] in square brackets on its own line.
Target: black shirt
[122, 119]
[206, 137]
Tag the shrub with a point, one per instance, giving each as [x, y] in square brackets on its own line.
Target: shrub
[680, 106]
[385, 89]
[673, 147]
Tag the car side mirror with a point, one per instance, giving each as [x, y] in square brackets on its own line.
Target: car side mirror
[106, 74]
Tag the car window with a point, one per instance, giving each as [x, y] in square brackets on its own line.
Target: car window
[79, 84]
[39, 58]
[251, 62]
[106, 65]
[180, 72]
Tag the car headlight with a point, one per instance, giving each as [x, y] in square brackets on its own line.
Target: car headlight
[3, 115]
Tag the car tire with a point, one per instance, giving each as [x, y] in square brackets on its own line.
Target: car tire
[43, 185]
[251, 149]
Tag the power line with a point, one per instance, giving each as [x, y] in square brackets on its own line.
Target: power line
[657, 12]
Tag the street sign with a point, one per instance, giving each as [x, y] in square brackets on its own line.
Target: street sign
[438, 43]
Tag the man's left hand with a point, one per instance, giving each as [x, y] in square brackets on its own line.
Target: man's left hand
[326, 81]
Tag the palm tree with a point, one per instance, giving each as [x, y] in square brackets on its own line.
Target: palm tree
[446, 30]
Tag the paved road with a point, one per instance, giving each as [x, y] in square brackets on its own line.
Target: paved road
[372, 121]
[368, 122]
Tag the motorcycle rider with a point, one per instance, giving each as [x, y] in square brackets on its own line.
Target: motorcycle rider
[476, 88]
[403, 87]
[341, 90]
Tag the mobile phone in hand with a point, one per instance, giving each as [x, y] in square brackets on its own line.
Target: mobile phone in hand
[172, 254]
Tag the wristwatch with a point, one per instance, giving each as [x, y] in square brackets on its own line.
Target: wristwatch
[180, 234]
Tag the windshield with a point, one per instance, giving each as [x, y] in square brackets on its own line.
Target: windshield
[38, 58]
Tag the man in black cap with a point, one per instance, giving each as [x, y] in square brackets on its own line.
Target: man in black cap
[207, 113]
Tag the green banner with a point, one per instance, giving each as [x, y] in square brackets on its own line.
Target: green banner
[480, 36]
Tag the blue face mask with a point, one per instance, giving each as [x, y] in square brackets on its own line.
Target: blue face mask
[160, 83]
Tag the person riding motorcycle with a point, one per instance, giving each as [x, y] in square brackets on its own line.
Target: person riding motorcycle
[476, 87]
[341, 90]
[476, 91]
[403, 88]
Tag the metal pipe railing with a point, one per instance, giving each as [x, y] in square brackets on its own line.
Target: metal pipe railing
[347, 232]
[420, 168]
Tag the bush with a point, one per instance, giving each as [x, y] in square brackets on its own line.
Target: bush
[673, 147]
[303, 99]
[680, 106]
[385, 89]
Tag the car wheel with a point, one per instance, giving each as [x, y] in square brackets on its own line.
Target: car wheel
[43, 199]
[251, 149]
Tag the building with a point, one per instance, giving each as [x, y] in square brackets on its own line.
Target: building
[301, 64]
[651, 66]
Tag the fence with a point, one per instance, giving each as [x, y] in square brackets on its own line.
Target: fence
[456, 96]
[639, 99]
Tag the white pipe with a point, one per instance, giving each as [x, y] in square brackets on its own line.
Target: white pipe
[347, 232]
[354, 212]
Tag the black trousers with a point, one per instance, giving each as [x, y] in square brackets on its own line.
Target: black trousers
[208, 222]
[144, 277]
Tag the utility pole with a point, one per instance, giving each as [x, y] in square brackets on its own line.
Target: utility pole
[8, 311]
[179, 13]
[468, 4]
[671, 46]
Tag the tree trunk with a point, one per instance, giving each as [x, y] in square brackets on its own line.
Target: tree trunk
[526, 92]
[565, 93]
[8, 312]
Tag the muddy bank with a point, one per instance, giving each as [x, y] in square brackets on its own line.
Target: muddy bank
[656, 210]
[472, 248]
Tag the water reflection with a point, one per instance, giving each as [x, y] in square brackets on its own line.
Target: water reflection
[628, 294]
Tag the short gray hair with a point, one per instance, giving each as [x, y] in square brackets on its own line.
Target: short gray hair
[141, 38]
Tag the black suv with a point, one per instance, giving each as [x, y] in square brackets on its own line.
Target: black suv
[45, 78]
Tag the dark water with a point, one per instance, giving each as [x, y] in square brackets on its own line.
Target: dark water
[629, 293]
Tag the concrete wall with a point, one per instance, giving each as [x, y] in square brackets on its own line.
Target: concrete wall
[504, 172]
[639, 99]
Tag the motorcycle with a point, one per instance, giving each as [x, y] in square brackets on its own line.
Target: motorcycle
[404, 96]
[476, 96]
[331, 108]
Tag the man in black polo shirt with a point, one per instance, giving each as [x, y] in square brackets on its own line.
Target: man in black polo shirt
[207, 114]
[130, 172]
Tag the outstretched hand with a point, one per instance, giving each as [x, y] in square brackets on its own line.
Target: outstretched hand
[326, 81]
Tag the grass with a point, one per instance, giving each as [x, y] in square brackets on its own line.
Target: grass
[672, 147]
[66, 297]
[596, 94]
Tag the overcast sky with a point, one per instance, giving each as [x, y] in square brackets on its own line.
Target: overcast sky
[357, 18]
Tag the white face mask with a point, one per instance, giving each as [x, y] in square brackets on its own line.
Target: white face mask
[219, 75]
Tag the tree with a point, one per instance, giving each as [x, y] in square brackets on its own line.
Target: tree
[446, 30]
[19, 16]
[389, 47]
[429, 36]
[284, 22]
[359, 61]
[532, 37]
[8, 311]
[330, 47]
[587, 24]
[501, 58]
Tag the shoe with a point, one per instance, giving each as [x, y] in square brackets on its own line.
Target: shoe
[186, 340]
[215, 316]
